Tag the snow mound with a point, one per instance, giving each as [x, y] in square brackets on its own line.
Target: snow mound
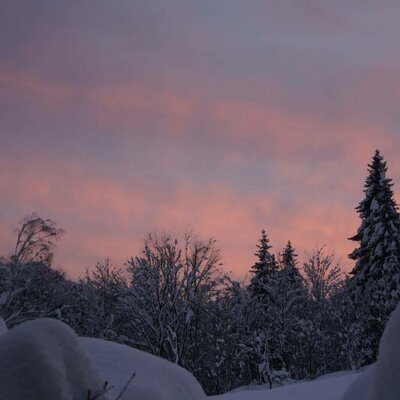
[382, 380]
[155, 379]
[44, 360]
[359, 388]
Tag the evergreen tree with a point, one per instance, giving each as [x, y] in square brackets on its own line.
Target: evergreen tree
[262, 340]
[289, 268]
[375, 277]
[290, 303]
[264, 269]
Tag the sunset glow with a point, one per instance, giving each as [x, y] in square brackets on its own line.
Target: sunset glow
[223, 118]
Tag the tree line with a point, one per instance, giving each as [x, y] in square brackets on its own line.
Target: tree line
[287, 321]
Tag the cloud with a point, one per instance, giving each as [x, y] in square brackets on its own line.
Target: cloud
[106, 218]
[127, 117]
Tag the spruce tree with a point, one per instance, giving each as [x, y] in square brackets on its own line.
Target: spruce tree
[263, 289]
[289, 267]
[264, 269]
[289, 304]
[375, 278]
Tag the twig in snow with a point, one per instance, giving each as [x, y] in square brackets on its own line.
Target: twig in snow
[126, 386]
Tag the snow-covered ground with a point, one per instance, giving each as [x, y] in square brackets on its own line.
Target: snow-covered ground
[331, 388]
[157, 379]
[44, 359]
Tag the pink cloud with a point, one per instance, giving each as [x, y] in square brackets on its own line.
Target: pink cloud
[109, 106]
[124, 109]
[293, 132]
[25, 87]
[107, 218]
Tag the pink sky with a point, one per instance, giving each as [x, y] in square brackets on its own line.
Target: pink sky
[221, 118]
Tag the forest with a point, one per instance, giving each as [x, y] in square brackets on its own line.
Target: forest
[289, 320]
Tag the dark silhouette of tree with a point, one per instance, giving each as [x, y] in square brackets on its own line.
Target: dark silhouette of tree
[375, 278]
[36, 239]
[264, 269]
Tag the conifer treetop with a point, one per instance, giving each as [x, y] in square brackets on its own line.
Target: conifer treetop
[379, 231]
[378, 204]
[264, 267]
[375, 279]
[288, 265]
[289, 258]
[266, 261]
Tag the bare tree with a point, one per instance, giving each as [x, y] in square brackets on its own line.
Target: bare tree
[36, 239]
[323, 274]
[95, 307]
[29, 287]
[169, 290]
[324, 279]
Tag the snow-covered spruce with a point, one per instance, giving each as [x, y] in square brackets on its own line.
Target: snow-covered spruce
[43, 360]
[375, 282]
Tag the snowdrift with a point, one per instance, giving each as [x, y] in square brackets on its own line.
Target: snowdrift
[46, 360]
[382, 380]
[329, 388]
[155, 379]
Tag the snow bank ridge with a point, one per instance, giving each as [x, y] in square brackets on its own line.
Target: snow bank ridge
[44, 360]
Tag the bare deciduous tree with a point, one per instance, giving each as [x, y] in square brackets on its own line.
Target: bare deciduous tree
[170, 287]
[323, 274]
[36, 239]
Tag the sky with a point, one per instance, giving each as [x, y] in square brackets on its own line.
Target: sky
[218, 117]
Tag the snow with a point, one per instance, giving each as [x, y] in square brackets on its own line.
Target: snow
[3, 326]
[386, 382]
[44, 359]
[330, 388]
[158, 379]
[3, 298]
[382, 380]
[374, 205]
[155, 379]
[359, 388]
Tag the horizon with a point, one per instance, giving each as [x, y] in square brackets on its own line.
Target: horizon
[118, 119]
